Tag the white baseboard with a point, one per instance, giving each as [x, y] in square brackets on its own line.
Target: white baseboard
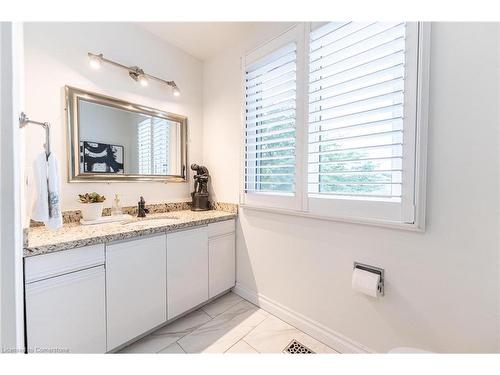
[314, 329]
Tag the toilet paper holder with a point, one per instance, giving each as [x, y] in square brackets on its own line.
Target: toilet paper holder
[373, 269]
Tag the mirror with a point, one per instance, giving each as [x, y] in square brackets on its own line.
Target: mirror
[110, 140]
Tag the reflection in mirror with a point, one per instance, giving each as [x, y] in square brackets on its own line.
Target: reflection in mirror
[110, 139]
[113, 140]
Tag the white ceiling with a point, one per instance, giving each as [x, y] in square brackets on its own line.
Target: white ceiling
[200, 39]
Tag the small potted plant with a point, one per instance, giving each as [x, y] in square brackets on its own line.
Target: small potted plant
[92, 205]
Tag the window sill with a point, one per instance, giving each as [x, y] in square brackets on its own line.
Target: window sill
[414, 227]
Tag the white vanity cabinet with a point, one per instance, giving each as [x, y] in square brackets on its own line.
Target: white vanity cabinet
[98, 298]
[200, 265]
[135, 288]
[221, 257]
[65, 301]
[187, 270]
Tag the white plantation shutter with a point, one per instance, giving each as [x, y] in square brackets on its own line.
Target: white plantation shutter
[270, 151]
[160, 132]
[153, 146]
[270, 123]
[331, 121]
[358, 90]
[144, 146]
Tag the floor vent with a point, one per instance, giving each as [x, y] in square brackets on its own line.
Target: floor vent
[296, 347]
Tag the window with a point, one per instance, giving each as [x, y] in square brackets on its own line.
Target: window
[358, 134]
[270, 151]
[270, 123]
[356, 84]
[153, 146]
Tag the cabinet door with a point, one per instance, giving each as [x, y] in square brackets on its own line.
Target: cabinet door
[221, 264]
[187, 270]
[135, 288]
[67, 313]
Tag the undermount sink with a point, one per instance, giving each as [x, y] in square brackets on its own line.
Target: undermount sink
[150, 220]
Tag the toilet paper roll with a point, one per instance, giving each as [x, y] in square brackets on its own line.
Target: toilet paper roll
[365, 282]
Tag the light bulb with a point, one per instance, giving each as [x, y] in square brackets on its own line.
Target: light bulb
[176, 91]
[95, 61]
[143, 80]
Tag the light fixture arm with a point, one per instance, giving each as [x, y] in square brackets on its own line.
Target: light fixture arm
[133, 71]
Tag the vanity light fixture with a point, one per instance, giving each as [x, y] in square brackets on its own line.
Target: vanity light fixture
[95, 61]
[143, 80]
[136, 73]
[175, 90]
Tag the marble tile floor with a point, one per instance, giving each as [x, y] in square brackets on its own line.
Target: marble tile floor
[229, 324]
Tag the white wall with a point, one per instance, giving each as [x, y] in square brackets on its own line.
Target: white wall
[56, 55]
[442, 285]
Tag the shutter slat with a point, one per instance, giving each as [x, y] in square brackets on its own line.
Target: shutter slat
[366, 79]
[276, 166]
[360, 68]
[366, 159]
[358, 77]
[272, 183]
[384, 87]
[329, 28]
[273, 174]
[284, 96]
[355, 173]
[270, 141]
[364, 194]
[362, 115]
[352, 183]
[271, 62]
[285, 69]
[289, 158]
[273, 84]
[395, 122]
[335, 140]
[279, 190]
[355, 51]
[266, 151]
[278, 114]
[356, 106]
[289, 123]
[283, 73]
[366, 37]
[273, 133]
[269, 92]
[337, 33]
[333, 152]
[263, 110]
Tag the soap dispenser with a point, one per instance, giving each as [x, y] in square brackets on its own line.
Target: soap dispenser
[116, 210]
[141, 208]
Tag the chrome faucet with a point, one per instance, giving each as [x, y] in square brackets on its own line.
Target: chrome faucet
[141, 209]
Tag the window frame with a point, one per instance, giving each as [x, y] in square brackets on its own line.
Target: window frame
[409, 214]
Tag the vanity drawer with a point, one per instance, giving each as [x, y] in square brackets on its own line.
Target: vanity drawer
[221, 228]
[44, 266]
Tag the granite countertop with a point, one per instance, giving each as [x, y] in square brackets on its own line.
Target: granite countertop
[41, 240]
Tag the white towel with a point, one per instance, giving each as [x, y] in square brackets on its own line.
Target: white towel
[47, 206]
